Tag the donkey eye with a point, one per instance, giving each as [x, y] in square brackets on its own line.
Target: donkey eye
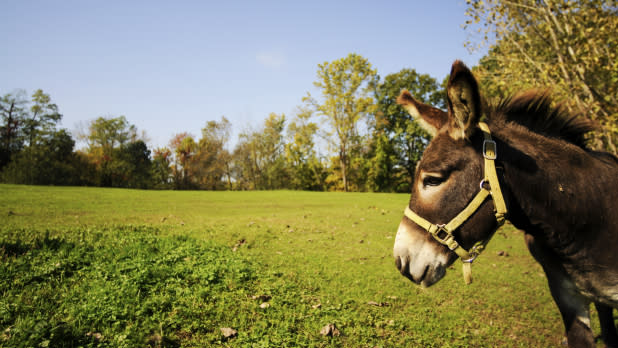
[432, 180]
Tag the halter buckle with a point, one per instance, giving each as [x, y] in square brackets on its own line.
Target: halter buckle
[444, 237]
[490, 150]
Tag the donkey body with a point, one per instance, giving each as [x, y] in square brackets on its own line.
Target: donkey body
[559, 193]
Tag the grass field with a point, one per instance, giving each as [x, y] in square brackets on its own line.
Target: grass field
[96, 267]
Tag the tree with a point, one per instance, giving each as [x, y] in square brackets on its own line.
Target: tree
[184, 147]
[13, 115]
[259, 162]
[86, 172]
[345, 85]
[29, 138]
[244, 169]
[398, 141]
[50, 161]
[134, 160]
[306, 170]
[272, 147]
[39, 123]
[107, 139]
[212, 159]
[161, 168]
[569, 45]
[43, 117]
[108, 133]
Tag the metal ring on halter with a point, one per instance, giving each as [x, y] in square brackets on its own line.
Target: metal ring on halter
[471, 259]
[482, 183]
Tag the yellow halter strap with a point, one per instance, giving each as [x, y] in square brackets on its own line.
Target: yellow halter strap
[443, 233]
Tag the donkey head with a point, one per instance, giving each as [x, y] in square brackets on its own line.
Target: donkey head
[446, 180]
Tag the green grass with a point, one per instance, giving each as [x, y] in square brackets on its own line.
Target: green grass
[98, 267]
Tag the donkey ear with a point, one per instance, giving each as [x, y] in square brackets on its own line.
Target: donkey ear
[429, 118]
[464, 101]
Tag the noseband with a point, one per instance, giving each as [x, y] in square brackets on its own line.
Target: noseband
[443, 233]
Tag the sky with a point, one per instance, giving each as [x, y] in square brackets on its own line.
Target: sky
[171, 66]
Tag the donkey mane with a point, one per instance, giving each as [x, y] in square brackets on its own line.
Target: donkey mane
[533, 110]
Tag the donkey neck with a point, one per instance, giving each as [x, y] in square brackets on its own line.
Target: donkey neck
[555, 188]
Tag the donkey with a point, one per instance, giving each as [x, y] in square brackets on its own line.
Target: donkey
[526, 161]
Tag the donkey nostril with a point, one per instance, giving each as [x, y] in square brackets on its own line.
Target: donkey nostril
[403, 265]
[398, 263]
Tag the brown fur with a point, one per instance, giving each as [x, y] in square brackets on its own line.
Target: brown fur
[464, 101]
[438, 117]
[558, 192]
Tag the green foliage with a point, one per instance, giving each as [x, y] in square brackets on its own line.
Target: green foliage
[353, 138]
[161, 168]
[345, 85]
[259, 161]
[212, 161]
[398, 140]
[569, 46]
[120, 158]
[183, 147]
[16, 126]
[32, 149]
[109, 133]
[50, 161]
[123, 286]
[306, 170]
[134, 161]
[43, 117]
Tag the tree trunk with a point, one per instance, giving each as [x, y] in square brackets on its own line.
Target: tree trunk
[344, 167]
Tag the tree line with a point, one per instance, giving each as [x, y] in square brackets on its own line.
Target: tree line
[353, 138]
[350, 137]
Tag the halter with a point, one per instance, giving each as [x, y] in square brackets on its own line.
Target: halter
[443, 233]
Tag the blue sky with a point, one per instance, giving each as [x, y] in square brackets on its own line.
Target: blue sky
[171, 66]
